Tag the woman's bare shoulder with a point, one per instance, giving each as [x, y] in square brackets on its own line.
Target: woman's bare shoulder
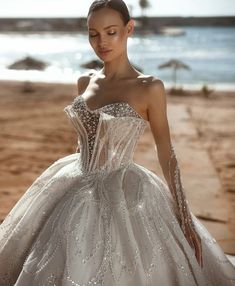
[155, 89]
[155, 100]
[152, 87]
[150, 81]
[84, 80]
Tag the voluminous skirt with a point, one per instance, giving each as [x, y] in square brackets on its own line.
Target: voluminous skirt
[103, 228]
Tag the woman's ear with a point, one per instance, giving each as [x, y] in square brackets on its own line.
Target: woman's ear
[130, 27]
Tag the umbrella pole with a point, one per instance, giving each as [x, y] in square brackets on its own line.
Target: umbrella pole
[174, 77]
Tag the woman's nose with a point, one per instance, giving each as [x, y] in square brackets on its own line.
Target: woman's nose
[102, 41]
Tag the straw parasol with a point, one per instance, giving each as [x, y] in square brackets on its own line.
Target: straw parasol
[93, 64]
[28, 63]
[175, 65]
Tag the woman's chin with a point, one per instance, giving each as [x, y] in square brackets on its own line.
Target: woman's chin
[105, 59]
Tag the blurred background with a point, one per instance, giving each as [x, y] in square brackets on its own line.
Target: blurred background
[189, 44]
[199, 33]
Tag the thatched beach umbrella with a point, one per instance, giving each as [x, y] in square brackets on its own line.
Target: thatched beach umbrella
[175, 65]
[93, 64]
[28, 63]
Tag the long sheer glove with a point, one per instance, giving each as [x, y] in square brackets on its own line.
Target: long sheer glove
[177, 190]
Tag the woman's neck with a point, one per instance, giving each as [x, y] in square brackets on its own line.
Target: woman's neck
[118, 69]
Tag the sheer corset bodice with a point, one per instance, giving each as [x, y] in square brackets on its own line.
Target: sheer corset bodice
[107, 135]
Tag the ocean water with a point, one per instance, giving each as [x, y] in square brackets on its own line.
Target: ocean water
[208, 51]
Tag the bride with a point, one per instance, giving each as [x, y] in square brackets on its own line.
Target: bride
[96, 217]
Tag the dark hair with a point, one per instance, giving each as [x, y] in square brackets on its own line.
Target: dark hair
[117, 5]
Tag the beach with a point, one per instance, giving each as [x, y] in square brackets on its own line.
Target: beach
[35, 132]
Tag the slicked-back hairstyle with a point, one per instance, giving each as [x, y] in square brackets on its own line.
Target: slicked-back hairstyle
[117, 5]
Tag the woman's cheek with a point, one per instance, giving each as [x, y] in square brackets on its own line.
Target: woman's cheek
[117, 39]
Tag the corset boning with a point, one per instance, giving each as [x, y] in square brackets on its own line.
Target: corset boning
[106, 139]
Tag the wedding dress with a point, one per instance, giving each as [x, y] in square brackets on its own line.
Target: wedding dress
[96, 217]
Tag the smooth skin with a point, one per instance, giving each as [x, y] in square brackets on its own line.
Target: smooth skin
[119, 81]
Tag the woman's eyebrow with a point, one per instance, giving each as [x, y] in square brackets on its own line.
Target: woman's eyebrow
[105, 27]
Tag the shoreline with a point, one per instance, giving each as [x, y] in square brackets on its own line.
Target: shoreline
[190, 90]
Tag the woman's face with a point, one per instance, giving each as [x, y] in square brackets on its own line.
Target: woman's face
[108, 33]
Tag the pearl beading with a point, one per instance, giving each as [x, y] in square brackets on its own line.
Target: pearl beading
[90, 118]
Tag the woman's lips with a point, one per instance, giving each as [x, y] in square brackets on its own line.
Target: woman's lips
[104, 52]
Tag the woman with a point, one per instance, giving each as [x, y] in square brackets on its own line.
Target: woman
[96, 217]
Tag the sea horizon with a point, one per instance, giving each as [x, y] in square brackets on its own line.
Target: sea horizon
[209, 52]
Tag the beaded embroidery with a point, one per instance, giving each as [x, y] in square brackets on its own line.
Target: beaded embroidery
[178, 192]
[91, 118]
[100, 226]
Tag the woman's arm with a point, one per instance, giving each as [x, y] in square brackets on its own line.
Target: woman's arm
[157, 114]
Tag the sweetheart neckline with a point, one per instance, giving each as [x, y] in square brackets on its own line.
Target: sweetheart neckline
[110, 104]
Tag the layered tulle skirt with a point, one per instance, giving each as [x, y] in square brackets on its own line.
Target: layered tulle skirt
[119, 227]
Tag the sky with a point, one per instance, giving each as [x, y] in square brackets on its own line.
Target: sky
[78, 8]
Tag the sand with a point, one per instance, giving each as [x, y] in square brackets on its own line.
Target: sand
[35, 132]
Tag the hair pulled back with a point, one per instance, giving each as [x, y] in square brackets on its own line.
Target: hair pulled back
[117, 5]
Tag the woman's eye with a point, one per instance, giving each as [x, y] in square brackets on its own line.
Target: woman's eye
[95, 35]
[112, 33]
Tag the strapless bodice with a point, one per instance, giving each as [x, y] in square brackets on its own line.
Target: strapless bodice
[107, 135]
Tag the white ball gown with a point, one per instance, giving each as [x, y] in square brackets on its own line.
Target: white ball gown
[96, 217]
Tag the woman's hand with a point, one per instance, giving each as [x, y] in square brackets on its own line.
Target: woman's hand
[195, 242]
